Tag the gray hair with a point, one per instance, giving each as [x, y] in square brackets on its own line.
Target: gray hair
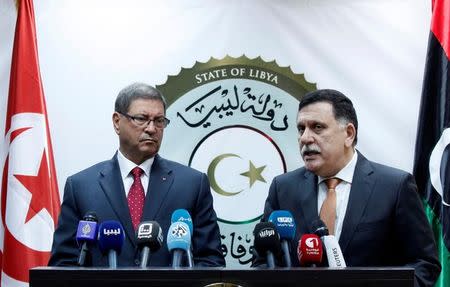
[137, 91]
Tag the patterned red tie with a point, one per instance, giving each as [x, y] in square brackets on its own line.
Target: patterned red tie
[136, 197]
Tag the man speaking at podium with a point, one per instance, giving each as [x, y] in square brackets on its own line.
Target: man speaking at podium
[138, 185]
[374, 211]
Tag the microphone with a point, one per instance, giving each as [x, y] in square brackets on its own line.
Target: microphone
[309, 250]
[182, 215]
[285, 225]
[149, 237]
[86, 235]
[178, 241]
[110, 240]
[267, 241]
[332, 248]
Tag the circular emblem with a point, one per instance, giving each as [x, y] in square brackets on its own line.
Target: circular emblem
[237, 172]
[235, 120]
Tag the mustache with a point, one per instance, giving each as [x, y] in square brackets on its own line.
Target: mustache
[311, 148]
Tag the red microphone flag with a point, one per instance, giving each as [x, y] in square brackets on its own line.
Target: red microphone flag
[29, 193]
[309, 250]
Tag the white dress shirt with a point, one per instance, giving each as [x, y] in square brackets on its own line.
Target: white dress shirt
[127, 165]
[342, 193]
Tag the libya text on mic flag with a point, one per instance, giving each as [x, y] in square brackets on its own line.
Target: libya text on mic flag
[29, 192]
[432, 155]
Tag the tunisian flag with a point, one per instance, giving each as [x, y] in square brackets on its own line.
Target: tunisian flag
[29, 192]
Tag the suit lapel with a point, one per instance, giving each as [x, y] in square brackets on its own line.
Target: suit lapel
[112, 185]
[161, 178]
[361, 189]
[308, 200]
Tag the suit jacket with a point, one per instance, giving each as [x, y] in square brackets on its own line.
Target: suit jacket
[171, 186]
[384, 225]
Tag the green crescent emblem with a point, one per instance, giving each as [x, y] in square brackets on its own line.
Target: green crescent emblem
[212, 178]
[253, 174]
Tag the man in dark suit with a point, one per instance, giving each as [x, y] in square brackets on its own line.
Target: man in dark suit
[375, 211]
[160, 187]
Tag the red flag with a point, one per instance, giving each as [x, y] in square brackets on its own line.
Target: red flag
[29, 192]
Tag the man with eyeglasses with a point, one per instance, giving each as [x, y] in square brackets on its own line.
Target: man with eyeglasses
[138, 185]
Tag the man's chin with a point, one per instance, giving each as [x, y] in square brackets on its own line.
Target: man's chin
[150, 151]
[312, 166]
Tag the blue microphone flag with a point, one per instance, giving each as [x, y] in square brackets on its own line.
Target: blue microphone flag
[111, 236]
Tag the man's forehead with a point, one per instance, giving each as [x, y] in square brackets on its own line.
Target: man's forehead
[141, 103]
[319, 111]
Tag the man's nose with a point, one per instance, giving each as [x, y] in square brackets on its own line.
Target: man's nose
[150, 127]
[306, 137]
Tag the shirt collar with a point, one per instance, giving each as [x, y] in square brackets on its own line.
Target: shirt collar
[345, 174]
[127, 165]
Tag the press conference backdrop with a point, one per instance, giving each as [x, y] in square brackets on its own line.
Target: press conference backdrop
[233, 72]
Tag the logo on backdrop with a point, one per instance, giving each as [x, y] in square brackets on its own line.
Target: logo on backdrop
[235, 120]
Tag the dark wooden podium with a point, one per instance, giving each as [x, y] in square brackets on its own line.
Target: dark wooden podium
[126, 277]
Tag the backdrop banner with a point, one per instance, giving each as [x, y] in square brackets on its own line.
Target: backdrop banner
[233, 73]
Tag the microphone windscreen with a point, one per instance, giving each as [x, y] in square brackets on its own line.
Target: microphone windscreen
[266, 238]
[319, 228]
[182, 215]
[149, 233]
[110, 236]
[284, 223]
[87, 228]
[333, 251]
[309, 250]
[90, 216]
[179, 236]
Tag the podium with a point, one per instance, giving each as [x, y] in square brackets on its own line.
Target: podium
[131, 277]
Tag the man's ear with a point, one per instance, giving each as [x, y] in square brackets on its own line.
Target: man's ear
[116, 122]
[351, 135]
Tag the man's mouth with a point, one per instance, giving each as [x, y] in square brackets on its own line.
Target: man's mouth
[310, 153]
[151, 140]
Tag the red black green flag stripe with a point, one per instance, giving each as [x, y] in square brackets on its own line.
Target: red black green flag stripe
[432, 154]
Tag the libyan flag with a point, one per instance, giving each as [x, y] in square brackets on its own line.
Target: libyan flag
[432, 154]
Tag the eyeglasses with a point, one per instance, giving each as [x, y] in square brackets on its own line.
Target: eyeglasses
[141, 121]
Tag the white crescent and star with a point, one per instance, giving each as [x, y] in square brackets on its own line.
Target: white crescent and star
[435, 163]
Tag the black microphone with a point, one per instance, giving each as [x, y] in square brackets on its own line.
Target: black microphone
[149, 238]
[267, 241]
[86, 235]
[332, 248]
